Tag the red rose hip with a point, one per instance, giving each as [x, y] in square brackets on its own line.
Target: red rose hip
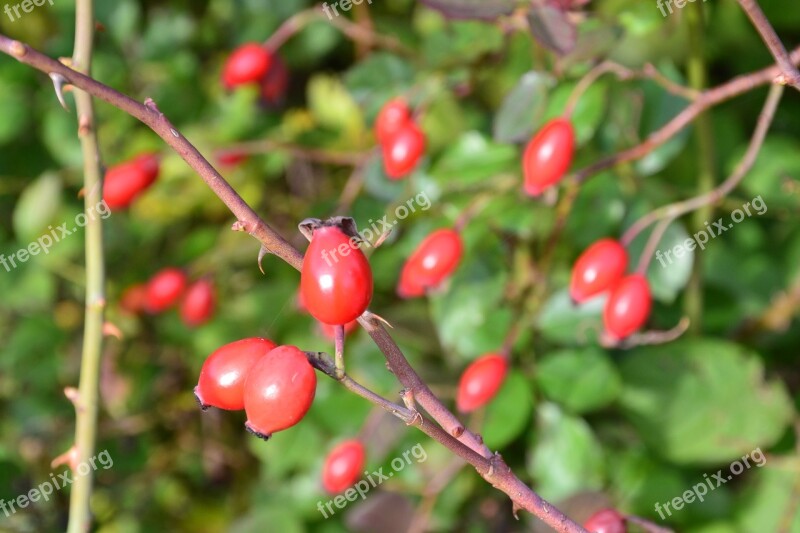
[134, 299]
[247, 64]
[124, 182]
[605, 521]
[225, 371]
[279, 391]
[548, 156]
[628, 306]
[198, 305]
[480, 382]
[598, 268]
[436, 258]
[165, 289]
[336, 279]
[394, 115]
[343, 466]
[403, 150]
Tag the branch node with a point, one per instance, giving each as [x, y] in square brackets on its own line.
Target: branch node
[18, 49]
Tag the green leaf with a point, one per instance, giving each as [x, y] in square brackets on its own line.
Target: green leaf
[472, 158]
[552, 28]
[566, 457]
[509, 412]
[580, 380]
[563, 322]
[769, 503]
[522, 109]
[37, 207]
[472, 9]
[702, 401]
[774, 173]
[335, 109]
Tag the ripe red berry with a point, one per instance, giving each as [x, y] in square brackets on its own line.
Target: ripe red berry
[548, 156]
[343, 466]
[198, 305]
[165, 289]
[393, 116]
[247, 64]
[230, 158]
[279, 391]
[403, 150]
[225, 371]
[336, 279]
[605, 521]
[628, 306]
[134, 299]
[598, 268]
[436, 258]
[125, 182]
[480, 382]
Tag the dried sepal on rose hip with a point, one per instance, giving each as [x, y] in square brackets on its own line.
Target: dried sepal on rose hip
[278, 391]
[336, 278]
[343, 466]
[224, 373]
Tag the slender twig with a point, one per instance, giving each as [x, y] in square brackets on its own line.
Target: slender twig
[339, 349]
[86, 404]
[647, 525]
[709, 98]
[773, 42]
[677, 209]
[451, 434]
[316, 155]
[651, 246]
[297, 22]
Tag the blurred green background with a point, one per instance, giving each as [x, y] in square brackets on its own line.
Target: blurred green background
[585, 426]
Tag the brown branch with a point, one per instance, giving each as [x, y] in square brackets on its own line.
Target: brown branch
[707, 99]
[791, 76]
[677, 209]
[461, 442]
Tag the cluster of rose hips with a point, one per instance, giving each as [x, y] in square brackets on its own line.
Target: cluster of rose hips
[167, 288]
[601, 269]
[253, 64]
[126, 181]
[401, 139]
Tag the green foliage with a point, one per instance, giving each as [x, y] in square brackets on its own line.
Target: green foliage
[573, 418]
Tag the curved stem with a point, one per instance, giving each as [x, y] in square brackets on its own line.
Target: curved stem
[677, 209]
[709, 98]
[86, 402]
[454, 437]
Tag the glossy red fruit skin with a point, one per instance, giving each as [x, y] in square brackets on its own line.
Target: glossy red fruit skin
[598, 268]
[480, 382]
[279, 391]
[403, 150]
[225, 372]
[199, 303]
[436, 258]
[628, 306]
[247, 64]
[336, 279]
[548, 156]
[343, 466]
[393, 116]
[164, 289]
[134, 299]
[606, 521]
[124, 182]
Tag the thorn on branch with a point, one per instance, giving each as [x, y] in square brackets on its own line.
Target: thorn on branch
[58, 83]
[74, 396]
[18, 49]
[69, 458]
[111, 330]
[261, 253]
